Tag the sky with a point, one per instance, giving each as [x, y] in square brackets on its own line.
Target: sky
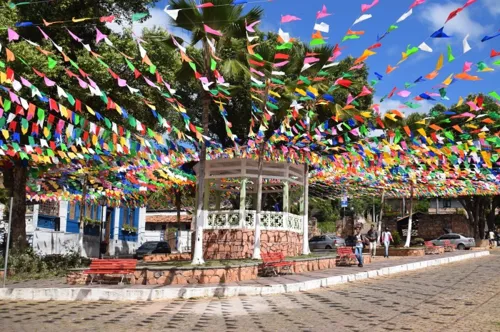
[477, 20]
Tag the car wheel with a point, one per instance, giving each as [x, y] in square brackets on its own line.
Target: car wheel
[461, 246]
[328, 247]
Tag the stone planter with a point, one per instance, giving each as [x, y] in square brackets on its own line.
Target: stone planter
[167, 257]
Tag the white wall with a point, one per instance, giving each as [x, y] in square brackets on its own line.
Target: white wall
[47, 242]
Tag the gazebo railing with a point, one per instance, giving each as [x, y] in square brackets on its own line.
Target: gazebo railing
[231, 219]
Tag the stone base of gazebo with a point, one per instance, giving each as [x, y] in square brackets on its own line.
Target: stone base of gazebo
[238, 243]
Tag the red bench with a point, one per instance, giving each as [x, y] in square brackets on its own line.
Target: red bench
[273, 261]
[430, 248]
[448, 247]
[123, 267]
[346, 256]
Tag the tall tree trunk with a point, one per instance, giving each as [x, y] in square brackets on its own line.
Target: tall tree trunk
[201, 210]
[19, 177]
[410, 219]
[495, 201]
[178, 208]
[82, 216]
[379, 228]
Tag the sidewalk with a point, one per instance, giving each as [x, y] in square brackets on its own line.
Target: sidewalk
[57, 290]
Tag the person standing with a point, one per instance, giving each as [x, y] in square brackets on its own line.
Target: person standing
[372, 237]
[359, 245]
[491, 238]
[386, 239]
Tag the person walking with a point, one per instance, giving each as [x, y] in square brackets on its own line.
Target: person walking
[360, 240]
[386, 239]
[372, 237]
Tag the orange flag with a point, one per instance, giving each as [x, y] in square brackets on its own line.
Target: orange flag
[10, 55]
[390, 69]
[358, 33]
[467, 77]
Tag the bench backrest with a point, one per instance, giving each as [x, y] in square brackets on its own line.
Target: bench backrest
[272, 257]
[344, 250]
[113, 264]
[428, 244]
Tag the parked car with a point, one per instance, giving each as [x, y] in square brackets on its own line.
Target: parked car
[326, 242]
[461, 242]
[152, 247]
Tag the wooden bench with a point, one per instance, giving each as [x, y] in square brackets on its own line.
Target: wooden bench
[123, 267]
[273, 261]
[448, 247]
[430, 248]
[346, 256]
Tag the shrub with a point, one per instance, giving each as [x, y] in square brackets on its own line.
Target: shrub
[28, 264]
[417, 242]
[396, 238]
[327, 227]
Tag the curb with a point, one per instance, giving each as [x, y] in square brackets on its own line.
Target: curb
[103, 294]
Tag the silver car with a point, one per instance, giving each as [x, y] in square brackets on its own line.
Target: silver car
[459, 241]
[327, 241]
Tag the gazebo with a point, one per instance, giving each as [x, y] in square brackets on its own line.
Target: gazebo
[249, 227]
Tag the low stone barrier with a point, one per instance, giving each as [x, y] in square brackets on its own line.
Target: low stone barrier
[168, 275]
[167, 257]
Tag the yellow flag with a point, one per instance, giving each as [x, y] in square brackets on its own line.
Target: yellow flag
[274, 94]
[448, 80]
[5, 133]
[76, 20]
[439, 64]
[313, 90]
[46, 132]
[91, 111]
[300, 91]
[422, 132]
[460, 101]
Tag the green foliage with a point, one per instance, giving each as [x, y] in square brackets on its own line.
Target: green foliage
[26, 264]
[129, 229]
[417, 242]
[422, 205]
[91, 222]
[324, 211]
[396, 238]
[327, 227]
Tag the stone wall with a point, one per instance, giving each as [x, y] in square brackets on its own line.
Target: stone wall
[167, 257]
[430, 226]
[238, 244]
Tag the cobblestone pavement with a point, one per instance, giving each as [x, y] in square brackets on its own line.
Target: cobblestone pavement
[462, 296]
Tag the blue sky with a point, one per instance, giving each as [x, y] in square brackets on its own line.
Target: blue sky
[478, 20]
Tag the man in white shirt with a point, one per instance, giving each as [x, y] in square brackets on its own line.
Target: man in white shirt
[386, 239]
[491, 237]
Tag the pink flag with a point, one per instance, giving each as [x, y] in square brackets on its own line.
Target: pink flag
[251, 25]
[311, 60]
[281, 64]
[82, 83]
[361, 65]
[122, 82]
[404, 93]
[212, 31]
[205, 5]
[289, 18]
[417, 3]
[100, 36]
[48, 82]
[349, 99]
[365, 7]
[365, 92]
[469, 2]
[12, 35]
[322, 13]
[43, 33]
[467, 66]
[75, 37]
[473, 106]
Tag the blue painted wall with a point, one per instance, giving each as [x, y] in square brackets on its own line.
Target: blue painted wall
[131, 218]
[72, 225]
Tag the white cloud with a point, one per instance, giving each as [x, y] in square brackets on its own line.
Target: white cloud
[493, 6]
[394, 104]
[461, 25]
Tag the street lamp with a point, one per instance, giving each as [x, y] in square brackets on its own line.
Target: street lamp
[102, 202]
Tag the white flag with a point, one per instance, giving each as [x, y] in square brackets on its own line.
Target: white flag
[173, 13]
[467, 47]
[333, 64]
[323, 27]
[284, 35]
[405, 16]
[362, 18]
[424, 47]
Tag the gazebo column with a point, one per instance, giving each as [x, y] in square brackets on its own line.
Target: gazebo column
[243, 196]
[218, 195]
[201, 218]
[305, 221]
[258, 214]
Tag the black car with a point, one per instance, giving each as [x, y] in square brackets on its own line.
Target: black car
[152, 247]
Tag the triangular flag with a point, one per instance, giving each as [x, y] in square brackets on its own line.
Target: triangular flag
[12, 35]
[450, 54]
[362, 18]
[466, 45]
[173, 13]
[405, 16]
[323, 27]
[439, 34]
[322, 13]
[424, 47]
[212, 31]
[289, 18]
[439, 64]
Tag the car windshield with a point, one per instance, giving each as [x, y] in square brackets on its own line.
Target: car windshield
[149, 245]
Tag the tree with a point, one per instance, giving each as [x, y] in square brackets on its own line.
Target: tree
[16, 171]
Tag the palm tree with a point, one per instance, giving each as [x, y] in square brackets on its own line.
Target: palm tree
[229, 19]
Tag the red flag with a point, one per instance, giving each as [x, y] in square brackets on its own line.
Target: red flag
[494, 53]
